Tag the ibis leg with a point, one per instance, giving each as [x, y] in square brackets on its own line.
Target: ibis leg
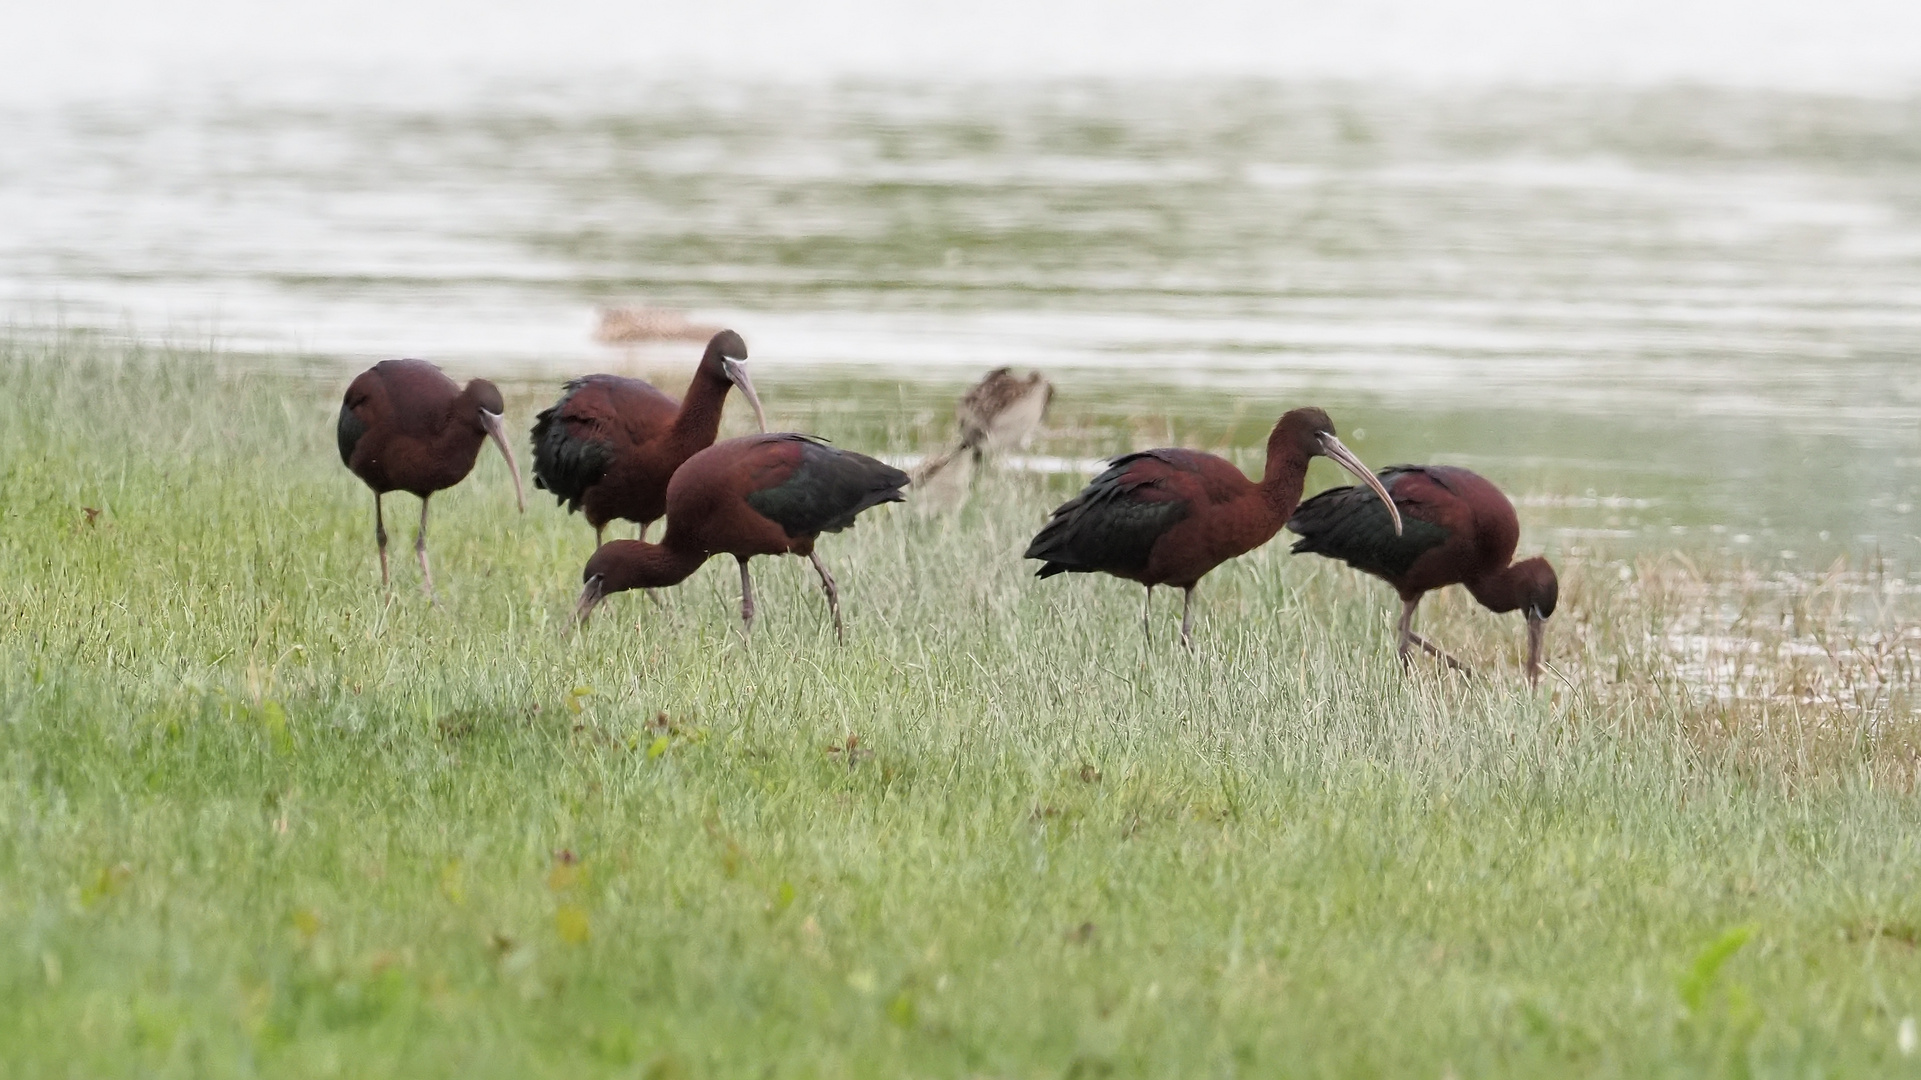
[380, 537]
[1406, 645]
[420, 549]
[746, 599]
[600, 533]
[1435, 651]
[1409, 639]
[1187, 617]
[652, 594]
[1147, 608]
[833, 594]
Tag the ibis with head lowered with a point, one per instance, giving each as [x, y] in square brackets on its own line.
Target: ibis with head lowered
[1460, 530]
[758, 495]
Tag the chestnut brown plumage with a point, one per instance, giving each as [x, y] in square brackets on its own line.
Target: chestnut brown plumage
[1460, 531]
[1167, 517]
[758, 495]
[609, 446]
[405, 426]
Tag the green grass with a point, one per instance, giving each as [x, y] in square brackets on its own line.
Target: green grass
[258, 819]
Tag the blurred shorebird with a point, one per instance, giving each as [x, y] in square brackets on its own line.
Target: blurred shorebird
[1000, 413]
[636, 325]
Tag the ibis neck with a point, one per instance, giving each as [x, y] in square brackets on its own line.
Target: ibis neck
[1282, 481]
[698, 422]
[1500, 591]
[636, 564]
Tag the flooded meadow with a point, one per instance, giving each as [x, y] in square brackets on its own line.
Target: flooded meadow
[1670, 322]
[264, 817]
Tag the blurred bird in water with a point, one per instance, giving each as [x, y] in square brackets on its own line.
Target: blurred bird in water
[635, 325]
[999, 413]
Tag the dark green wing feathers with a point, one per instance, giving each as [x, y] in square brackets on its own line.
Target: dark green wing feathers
[827, 490]
[569, 455]
[349, 430]
[1111, 525]
[1350, 524]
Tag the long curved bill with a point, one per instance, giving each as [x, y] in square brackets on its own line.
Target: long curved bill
[1536, 633]
[497, 427]
[1344, 457]
[591, 594]
[737, 371]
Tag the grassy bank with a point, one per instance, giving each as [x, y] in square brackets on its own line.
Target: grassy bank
[256, 818]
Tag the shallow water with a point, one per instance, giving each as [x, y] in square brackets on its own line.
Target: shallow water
[1681, 319]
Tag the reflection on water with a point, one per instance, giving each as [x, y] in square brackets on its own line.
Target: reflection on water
[1668, 319]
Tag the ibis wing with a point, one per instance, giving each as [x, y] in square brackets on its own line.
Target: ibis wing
[827, 489]
[1350, 524]
[569, 456]
[348, 431]
[1113, 523]
[597, 416]
[356, 406]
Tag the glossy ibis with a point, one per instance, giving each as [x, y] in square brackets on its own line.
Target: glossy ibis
[1460, 531]
[1167, 517]
[758, 495]
[610, 444]
[405, 426]
[999, 413]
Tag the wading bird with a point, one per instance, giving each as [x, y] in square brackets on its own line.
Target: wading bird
[405, 426]
[758, 495]
[999, 413]
[1167, 517]
[635, 325]
[609, 446]
[1460, 531]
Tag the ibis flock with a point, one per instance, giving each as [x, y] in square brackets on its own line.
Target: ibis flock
[618, 449]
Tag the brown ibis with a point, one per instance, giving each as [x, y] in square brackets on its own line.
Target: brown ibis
[405, 426]
[1167, 517]
[757, 495]
[1460, 530]
[609, 446]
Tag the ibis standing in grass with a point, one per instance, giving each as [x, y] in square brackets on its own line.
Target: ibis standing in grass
[609, 446]
[1460, 530]
[405, 426]
[758, 495]
[1167, 517]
